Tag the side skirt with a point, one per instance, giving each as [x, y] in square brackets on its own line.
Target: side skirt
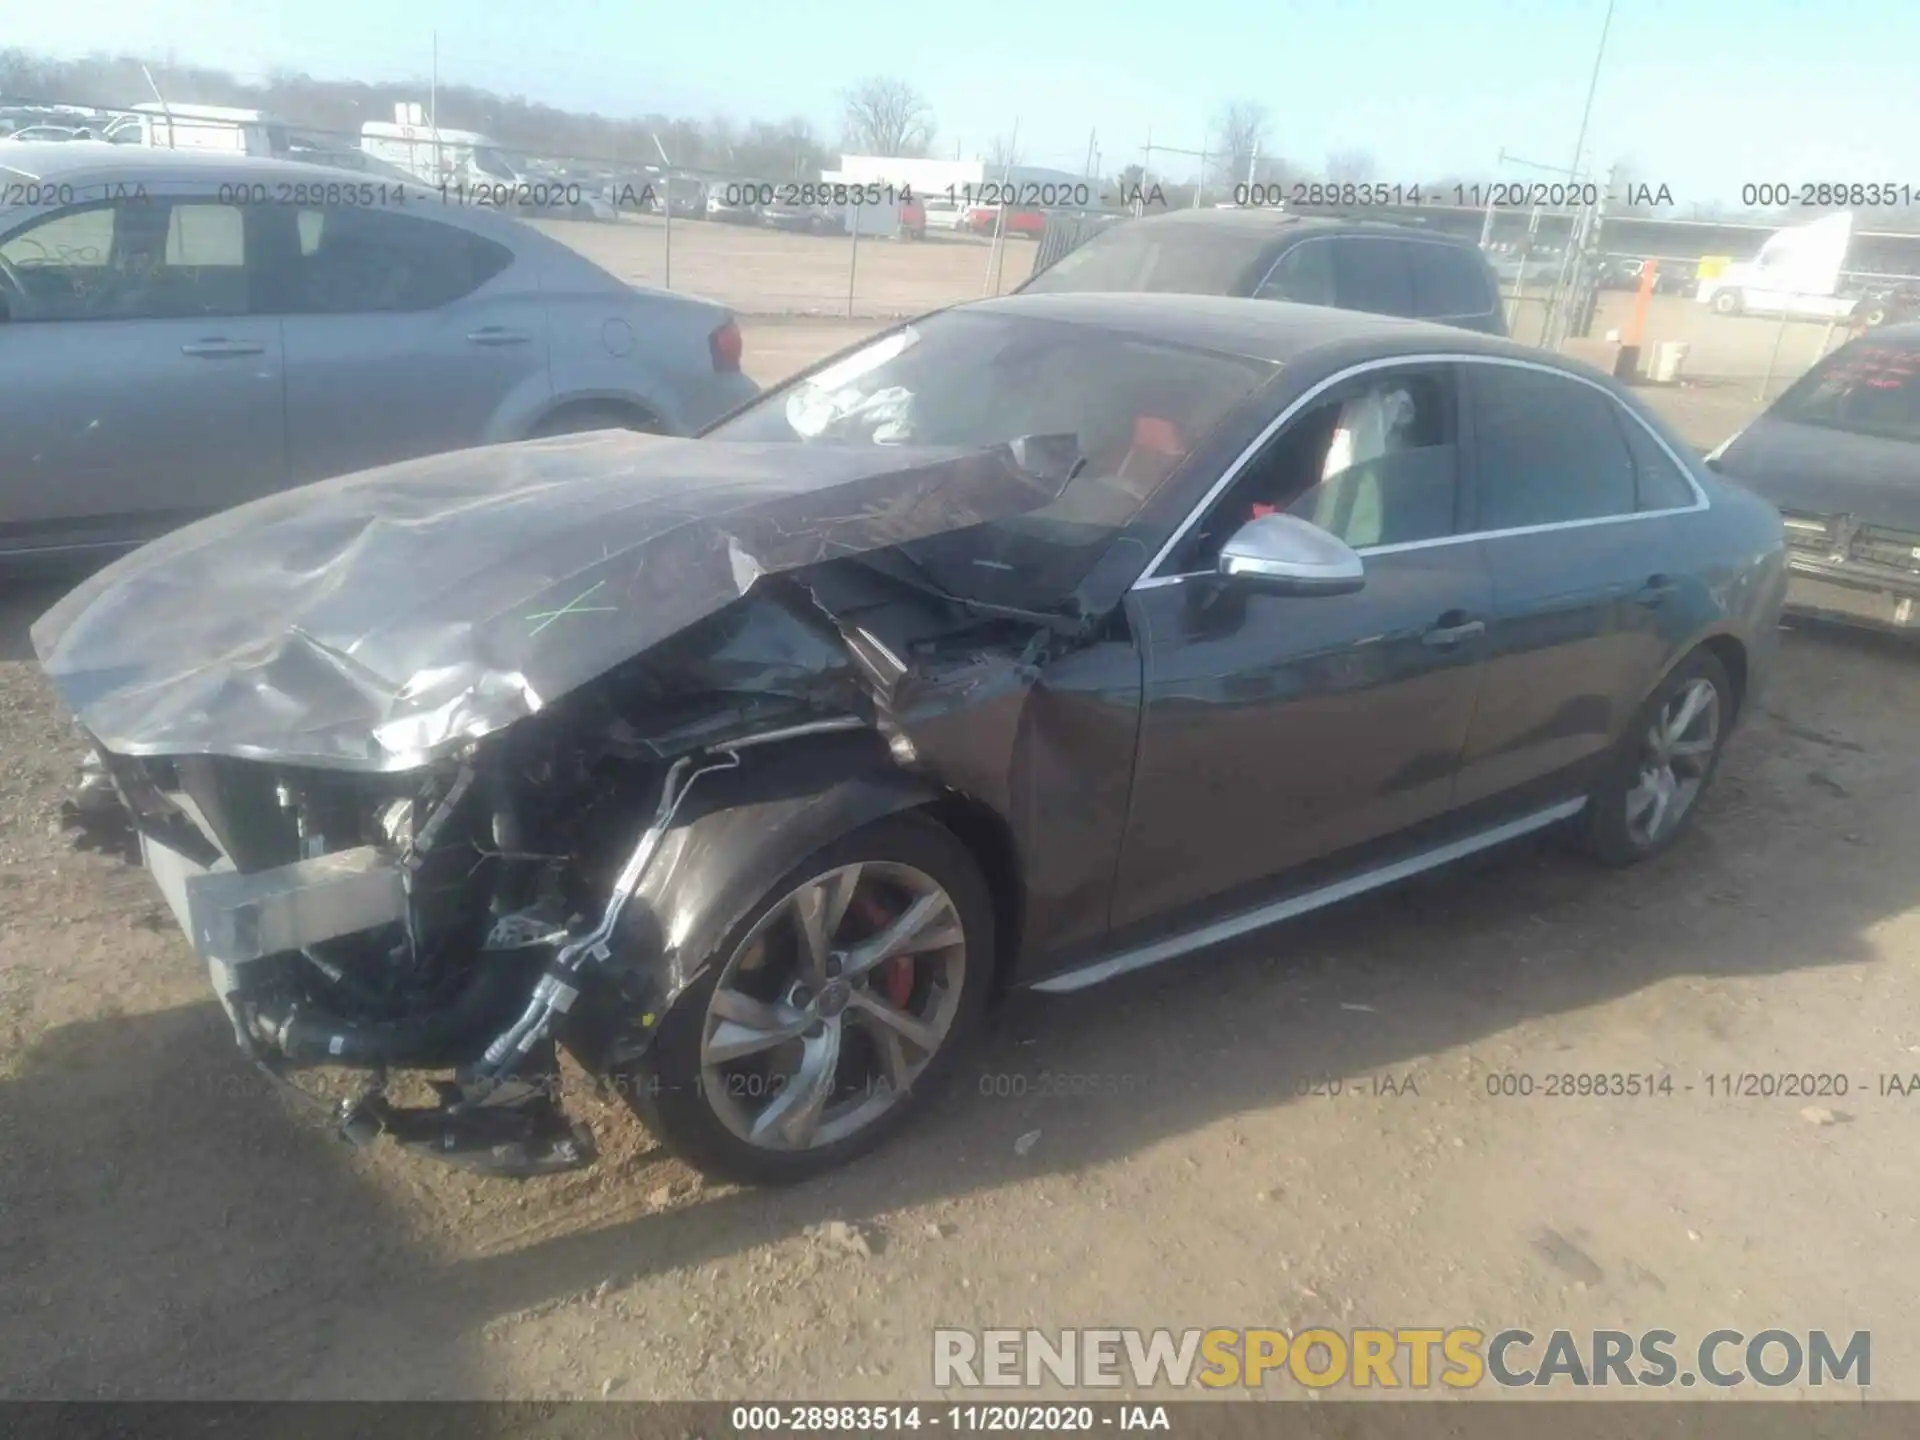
[1233, 926]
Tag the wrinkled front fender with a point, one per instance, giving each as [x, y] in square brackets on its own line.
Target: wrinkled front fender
[738, 834]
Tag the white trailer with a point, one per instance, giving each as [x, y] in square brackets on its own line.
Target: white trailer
[1796, 273]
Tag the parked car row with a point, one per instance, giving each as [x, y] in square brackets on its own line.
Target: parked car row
[170, 350]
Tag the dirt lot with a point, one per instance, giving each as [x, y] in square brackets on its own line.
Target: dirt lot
[168, 1227]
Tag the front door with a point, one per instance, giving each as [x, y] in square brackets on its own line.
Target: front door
[140, 389]
[1277, 730]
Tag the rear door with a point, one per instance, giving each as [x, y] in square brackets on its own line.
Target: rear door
[142, 387]
[406, 335]
[1584, 577]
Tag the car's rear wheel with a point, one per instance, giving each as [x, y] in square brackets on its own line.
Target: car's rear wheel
[836, 1006]
[1727, 302]
[1653, 783]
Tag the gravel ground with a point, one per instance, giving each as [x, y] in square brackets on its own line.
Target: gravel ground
[1149, 1153]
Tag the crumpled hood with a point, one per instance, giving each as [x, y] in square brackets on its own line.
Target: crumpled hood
[378, 621]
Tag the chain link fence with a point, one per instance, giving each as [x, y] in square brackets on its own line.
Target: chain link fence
[810, 247]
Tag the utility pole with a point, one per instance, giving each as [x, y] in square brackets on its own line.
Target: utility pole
[433, 110]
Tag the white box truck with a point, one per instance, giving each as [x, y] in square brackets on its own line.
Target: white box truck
[224, 128]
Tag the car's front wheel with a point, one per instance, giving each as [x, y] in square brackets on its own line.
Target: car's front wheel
[1651, 789]
[836, 1006]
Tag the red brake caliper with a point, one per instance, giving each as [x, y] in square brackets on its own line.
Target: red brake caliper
[894, 978]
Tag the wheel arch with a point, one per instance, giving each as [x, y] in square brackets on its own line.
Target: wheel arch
[738, 834]
[1724, 645]
[644, 416]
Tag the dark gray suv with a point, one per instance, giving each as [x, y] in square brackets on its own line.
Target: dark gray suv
[1346, 264]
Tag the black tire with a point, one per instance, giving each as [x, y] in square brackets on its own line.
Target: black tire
[666, 1091]
[1727, 302]
[1603, 827]
[582, 419]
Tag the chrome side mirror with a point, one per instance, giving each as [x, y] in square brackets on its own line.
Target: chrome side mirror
[1285, 555]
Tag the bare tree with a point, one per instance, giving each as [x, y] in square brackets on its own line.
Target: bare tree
[887, 117]
[1239, 133]
[1350, 167]
[1002, 155]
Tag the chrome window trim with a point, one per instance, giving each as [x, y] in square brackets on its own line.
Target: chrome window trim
[1278, 260]
[1149, 580]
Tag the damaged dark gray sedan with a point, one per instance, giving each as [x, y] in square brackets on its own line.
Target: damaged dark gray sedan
[1030, 643]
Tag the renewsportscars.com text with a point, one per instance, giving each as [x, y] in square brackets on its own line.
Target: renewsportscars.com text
[1459, 1358]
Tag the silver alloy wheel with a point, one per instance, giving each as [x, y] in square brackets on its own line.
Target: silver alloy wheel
[1674, 757]
[833, 1005]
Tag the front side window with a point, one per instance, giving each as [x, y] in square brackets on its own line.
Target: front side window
[1132, 409]
[1871, 387]
[1550, 450]
[134, 259]
[1374, 461]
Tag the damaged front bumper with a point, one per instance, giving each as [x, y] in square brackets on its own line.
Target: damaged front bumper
[264, 934]
[1841, 570]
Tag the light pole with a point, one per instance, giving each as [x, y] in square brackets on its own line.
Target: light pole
[1593, 84]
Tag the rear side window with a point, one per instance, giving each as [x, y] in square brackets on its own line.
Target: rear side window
[1550, 450]
[1448, 282]
[355, 260]
[1372, 275]
[1660, 483]
[1304, 275]
[1866, 388]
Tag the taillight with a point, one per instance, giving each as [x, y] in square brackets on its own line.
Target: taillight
[725, 346]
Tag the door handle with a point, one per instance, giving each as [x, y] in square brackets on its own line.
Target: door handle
[498, 335]
[1655, 591]
[216, 346]
[1445, 637]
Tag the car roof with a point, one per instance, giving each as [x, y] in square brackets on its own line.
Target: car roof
[1271, 330]
[72, 161]
[1279, 224]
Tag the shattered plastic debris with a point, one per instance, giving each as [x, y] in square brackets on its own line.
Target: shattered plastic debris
[381, 620]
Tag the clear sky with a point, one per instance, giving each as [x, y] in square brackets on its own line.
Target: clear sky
[1704, 95]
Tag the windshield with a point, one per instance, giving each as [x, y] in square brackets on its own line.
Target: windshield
[1867, 388]
[1179, 259]
[1132, 408]
[489, 161]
